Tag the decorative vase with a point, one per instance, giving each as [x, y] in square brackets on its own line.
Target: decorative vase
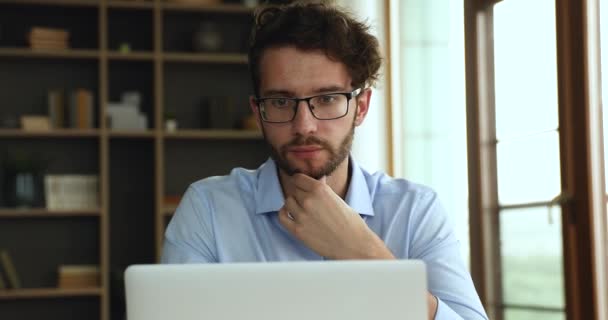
[23, 190]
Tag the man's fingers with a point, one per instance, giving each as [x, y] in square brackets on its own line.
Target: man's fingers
[304, 182]
[292, 206]
[299, 196]
[286, 219]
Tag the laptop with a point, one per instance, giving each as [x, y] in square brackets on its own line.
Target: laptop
[337, 290]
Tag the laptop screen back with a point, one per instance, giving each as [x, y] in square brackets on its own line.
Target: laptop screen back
[337, 290]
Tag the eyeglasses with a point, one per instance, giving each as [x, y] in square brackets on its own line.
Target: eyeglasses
[327, 106]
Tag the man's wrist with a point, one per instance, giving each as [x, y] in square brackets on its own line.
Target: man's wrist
[373, 249]
[433, 304]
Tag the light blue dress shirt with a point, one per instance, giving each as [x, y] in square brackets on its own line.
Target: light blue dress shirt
[234, 218]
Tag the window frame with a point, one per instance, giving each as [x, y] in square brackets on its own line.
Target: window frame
[582, 199]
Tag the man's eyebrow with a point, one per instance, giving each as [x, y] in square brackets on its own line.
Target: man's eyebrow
[278, 93]
[330, 89]
[287, 93]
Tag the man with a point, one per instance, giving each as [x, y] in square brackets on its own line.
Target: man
[312, 69]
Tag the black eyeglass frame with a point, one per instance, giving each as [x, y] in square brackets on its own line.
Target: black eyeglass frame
[349, 95]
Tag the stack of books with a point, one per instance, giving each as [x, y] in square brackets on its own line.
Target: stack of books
[78, 276]
[48, 38]
[71, 192]
[71, 109]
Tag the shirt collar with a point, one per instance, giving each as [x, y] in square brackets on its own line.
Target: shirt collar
[269, 195]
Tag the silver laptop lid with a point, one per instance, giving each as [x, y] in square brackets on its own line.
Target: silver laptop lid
[337, 290]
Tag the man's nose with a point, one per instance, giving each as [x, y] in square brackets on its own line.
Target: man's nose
[304, 122]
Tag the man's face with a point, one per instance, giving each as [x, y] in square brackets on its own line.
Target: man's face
[308, 145]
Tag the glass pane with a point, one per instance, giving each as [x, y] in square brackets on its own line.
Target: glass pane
[516, 314]
[525, 67]
[532, 259]
[528, 169]
[432, 95]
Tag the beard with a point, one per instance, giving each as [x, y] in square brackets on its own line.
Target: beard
[336, 156]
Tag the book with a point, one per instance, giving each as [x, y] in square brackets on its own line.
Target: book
[9, 268]
[71, 192]
[35, 123]
[49, 33]
[56, 106]
[48, 38]
[44, 44]
[2, 282]
[81, 109]
[78, 276]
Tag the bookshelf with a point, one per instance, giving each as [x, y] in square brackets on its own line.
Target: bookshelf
[48, 293]
[137, 169]
[45, 213]
[56, 133]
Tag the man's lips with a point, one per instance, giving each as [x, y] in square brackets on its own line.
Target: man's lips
[305, 149]
[305, 152]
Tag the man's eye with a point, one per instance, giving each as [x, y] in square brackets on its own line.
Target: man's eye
[327, 99]
[279, 102]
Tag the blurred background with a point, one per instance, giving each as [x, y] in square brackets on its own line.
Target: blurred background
[109, 109]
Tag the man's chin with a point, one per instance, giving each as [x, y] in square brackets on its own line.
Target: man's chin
[313, 171]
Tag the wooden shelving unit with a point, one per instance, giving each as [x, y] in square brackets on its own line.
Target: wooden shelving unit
[222, 8]
[75, 3]
[214, 134]
[55, 133]
[48, 293]
[41, 53]
[145, 5]
[148, 134]
[44, 213]
[206, 58]
[169, 210]
[141, 56]
[136, 169]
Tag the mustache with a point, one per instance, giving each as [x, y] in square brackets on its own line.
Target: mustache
[304, 141]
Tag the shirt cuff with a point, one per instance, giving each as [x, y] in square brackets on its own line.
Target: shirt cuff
[444, 312]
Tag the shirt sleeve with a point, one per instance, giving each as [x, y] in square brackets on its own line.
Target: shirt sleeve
[433, 241]
[189, 237]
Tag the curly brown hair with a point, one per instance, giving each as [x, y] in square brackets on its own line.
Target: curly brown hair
[316, 26]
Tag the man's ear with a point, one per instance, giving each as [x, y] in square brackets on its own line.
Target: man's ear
[254, 108]
[363, 100]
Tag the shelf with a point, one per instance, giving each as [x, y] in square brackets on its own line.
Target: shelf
[131, 134]
[11, 294]
[133, 166]
[214, 134]
[134, 55]
[169, 210]
[49, 53]
[44, 213]
[56, 133]
[222, 8]
[75, 3]
[131, 4]
[219, 58]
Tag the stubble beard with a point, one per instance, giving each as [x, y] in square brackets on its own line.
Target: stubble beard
[336, 157]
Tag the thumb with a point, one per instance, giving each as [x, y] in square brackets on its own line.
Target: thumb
[323, 179]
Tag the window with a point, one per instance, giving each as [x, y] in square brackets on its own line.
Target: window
[528, 160]
[533, 158]
[429, 114]
[602, 226]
